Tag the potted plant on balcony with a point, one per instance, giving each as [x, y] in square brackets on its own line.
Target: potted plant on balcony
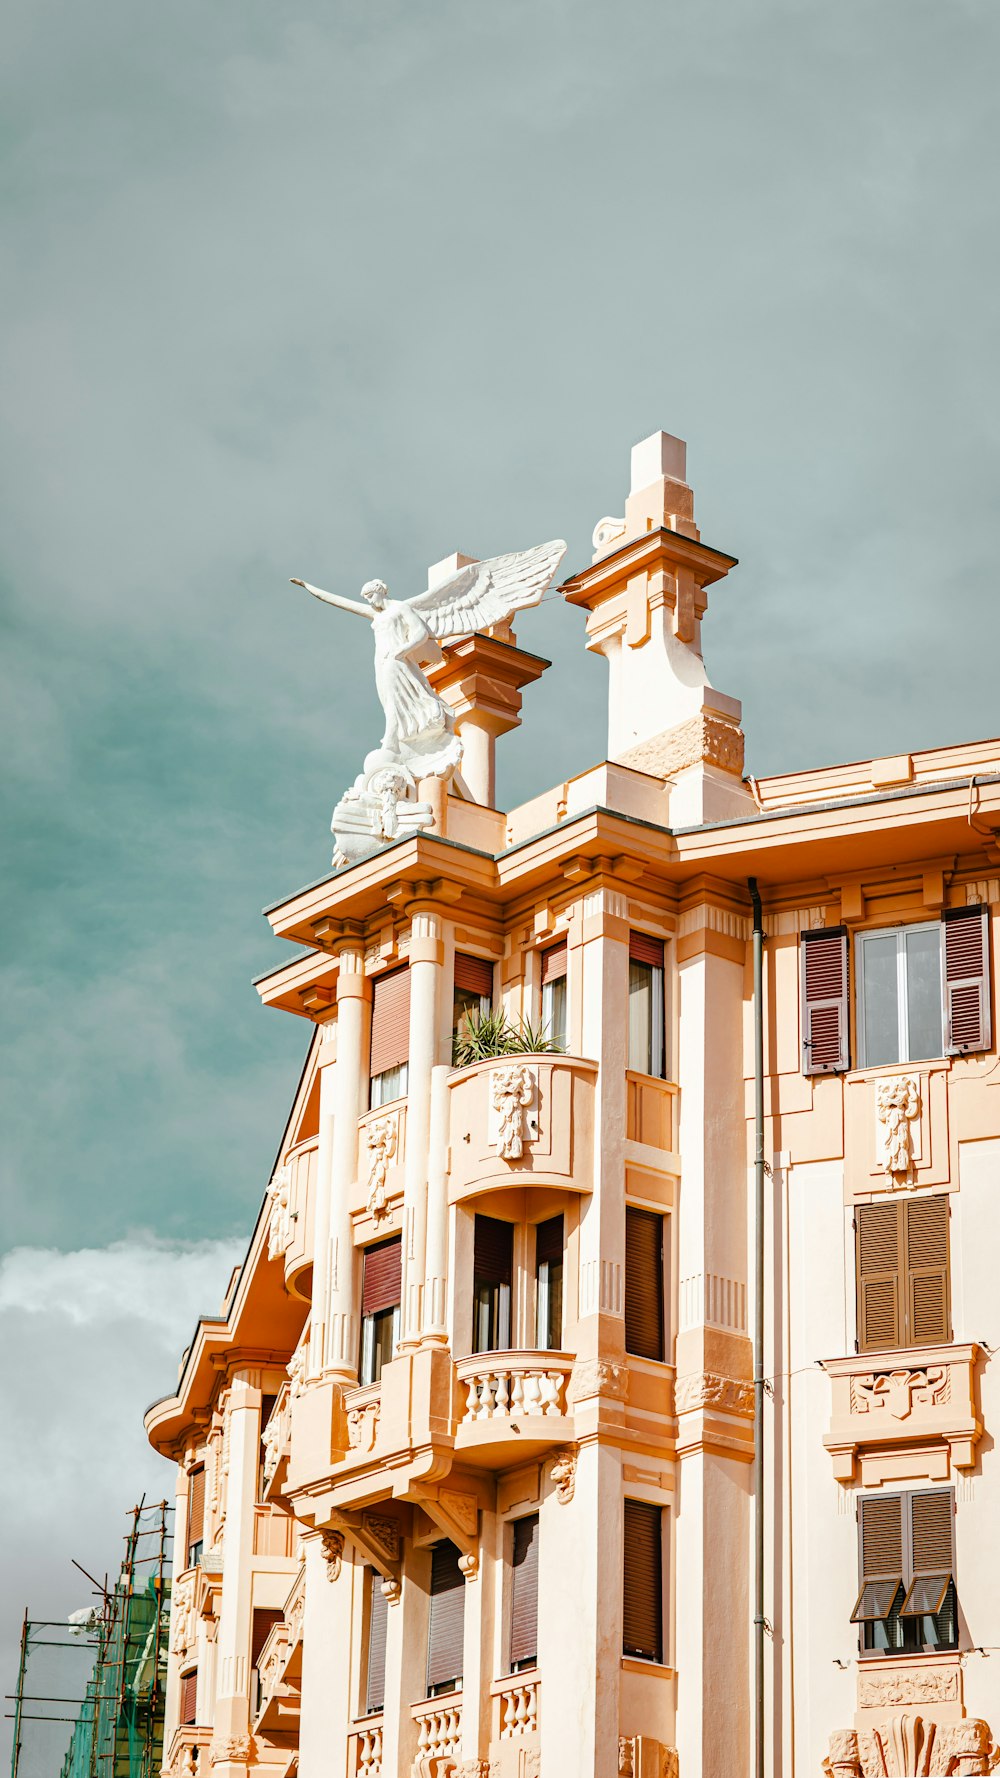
[481, 1037]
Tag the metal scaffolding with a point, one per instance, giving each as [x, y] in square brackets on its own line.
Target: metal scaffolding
[103, 1672]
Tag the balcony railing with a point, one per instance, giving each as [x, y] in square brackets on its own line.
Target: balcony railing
[513, 1385]
[918, 1396]
[187, 1755]
[518, 1706]
[439, 1730]
[366, 1751]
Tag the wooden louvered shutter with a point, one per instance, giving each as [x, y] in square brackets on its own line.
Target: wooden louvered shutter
[474, 974]
[554, 962]
[965, 970]
[377, 1623]
[926, 1270]
[196, 1509]
[446, 1627]
[881, 1522]
[880, 1309]
[643, 1282]
[390, 1021]
[382, 1284]
[524, 1594]
[932, 1521]
[642, 1628]
[494, 1250]
[825, 1017]
[189, 1698]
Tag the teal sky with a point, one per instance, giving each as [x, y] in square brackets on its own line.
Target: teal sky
[331, 290]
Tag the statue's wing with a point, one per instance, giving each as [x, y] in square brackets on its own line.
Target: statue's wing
[485, 593]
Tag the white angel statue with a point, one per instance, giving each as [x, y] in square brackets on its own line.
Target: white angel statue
[420, 739]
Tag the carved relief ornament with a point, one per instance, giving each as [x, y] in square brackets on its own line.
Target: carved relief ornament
[382, 1137]
[512, 1089]
[900, 1391]
[563, 1473]
[704, 1389]
[332, 1544]
[906, 1746]
[897, 1106]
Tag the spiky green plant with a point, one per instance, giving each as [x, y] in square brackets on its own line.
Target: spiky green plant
[483, 1036]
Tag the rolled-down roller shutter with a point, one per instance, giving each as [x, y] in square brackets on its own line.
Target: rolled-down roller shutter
[642, 1630]
[549, 1241]
[390, 1021]
[825, 1017]
[643, 948]
[643, 1282]
[377, 1623]
[494, 1250]
[554, 963]
[189, 1698]
[383, 1276]
[474, 974]
[446, 1627]
[196, 1508]
[524, 1593]
[966, 974]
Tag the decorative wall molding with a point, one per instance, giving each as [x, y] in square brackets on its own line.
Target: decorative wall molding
[707, 1299]
[711, 740]
[912, 1747]
[279, 1226]
[705, 1389]
[332, 1545]
[512, 1090]
[898, 1392]
[563, 1473]
[598, 1376]
[707, 917]
[382, 1137]
[897, 1106]
[238, 1750]
[183, 1618]
[789, 922]
[984, 892]
[920, 1685]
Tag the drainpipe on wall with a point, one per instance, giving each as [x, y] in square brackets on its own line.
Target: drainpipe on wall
[759, 1620]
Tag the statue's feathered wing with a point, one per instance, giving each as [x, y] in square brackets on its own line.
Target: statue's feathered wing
[485, 593]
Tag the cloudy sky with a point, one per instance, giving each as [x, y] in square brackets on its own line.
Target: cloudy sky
[331, 290]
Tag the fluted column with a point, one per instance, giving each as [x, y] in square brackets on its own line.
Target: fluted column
[426, 970]
[324, 1184]
[350, 1075]
[435, 1312]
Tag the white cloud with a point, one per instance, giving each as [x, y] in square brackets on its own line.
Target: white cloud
[90, 1338]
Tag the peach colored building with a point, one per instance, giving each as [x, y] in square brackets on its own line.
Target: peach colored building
[465, 1464]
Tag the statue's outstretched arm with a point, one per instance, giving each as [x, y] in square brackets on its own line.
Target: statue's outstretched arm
[356, 605]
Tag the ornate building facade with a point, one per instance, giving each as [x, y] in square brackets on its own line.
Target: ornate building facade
[465, 1464]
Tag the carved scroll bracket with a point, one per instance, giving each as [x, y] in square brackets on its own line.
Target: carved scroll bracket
[379, 1538]
[457, 1515]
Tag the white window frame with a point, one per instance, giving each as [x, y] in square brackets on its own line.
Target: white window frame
[899, 934]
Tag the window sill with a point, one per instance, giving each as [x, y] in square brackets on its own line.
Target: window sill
[653, 1669]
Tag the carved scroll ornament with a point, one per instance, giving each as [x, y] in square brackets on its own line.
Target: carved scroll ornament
[382, 1136]
[900, 1391]
[908, 1746]
[897, 1105]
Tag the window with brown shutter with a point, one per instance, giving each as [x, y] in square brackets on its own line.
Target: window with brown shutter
[823, 989]
[965, 955]
[263, 1620]
[553, 973]
[473, 991]
[549, 1284]
[189, 1699]
[493, 1269]
[195, 1515]
[902, 1271]
[446, 1625]
[390, 1045]
[907, 1600]
[524, 1594]
[646, 1017]
[381, 1295]
[378, 1618]
[644, 1317]
[642, 1628]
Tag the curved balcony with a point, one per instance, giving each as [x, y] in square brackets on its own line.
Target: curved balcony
[519, 1121]
[188, 1753]
[501, 1392]
[291, 1200]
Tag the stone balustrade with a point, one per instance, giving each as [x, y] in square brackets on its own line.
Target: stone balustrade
[188, 1753]
[366, 1751]
[439, 1732]
[518, 1697]
[271, 1664]
[920, 1396]
[513, 1385]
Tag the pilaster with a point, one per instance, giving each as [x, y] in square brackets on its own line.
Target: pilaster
[232, 1710]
